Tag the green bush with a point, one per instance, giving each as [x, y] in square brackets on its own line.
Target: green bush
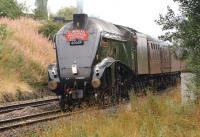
[3, 32]
[10, 8]
[40, 14]
[49, 29]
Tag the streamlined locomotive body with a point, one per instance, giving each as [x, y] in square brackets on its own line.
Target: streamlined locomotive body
[97, 60]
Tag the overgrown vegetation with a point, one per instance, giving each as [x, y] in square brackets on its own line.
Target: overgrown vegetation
[184, 29]
[12, 61]
[19, 95]
[3, 31]
[24, 57]
[49, 29]
[151, 116]
[10, 8]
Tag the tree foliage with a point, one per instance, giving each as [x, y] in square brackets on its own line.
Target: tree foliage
[10, 8]
[185, 28]
[67, 12]
[41, 9]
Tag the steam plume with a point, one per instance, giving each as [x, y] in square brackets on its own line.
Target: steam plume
[79, 6]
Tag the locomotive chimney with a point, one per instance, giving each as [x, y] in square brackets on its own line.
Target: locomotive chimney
[80, 19]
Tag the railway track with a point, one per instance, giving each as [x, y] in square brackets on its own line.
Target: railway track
[21, 121]
[17, 122]
[30, 103]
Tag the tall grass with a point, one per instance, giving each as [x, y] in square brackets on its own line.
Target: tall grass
[152, 116]
[24, 56]
[26, 39]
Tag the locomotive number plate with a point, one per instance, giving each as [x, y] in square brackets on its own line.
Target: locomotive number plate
[76, 43]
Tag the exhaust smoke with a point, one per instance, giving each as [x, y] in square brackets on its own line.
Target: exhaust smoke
[79, 6]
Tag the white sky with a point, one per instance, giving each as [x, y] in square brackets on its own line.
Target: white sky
[138, 14]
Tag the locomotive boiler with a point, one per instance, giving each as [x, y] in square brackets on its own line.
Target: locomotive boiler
[98, 61]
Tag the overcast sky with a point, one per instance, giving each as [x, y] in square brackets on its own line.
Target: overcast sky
[138, 14]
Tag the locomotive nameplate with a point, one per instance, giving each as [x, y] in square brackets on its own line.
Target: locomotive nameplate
[77, 34]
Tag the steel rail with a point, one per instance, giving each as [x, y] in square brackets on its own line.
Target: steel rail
[32, 119]
[30, 103]
[7, 121]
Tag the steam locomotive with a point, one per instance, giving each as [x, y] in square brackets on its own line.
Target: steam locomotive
[100, 61]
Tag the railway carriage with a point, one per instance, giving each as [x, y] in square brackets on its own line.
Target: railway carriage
[100, 61]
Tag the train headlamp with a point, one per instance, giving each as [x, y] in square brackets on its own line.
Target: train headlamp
[52, 85]
[96, 83]
[74, 69]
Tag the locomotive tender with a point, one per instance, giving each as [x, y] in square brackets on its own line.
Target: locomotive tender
[101, 61]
